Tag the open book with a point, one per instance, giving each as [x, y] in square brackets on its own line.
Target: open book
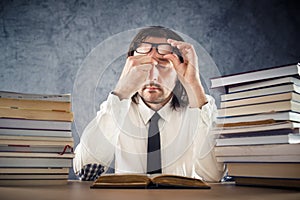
[148, 181]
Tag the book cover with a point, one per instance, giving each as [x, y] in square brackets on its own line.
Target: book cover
[264, 170]
[35, 124]
[262, 99]
[268, 73]
[146, 181]
[261, 92]
[260, 108]
[261, 84]
[32, 96]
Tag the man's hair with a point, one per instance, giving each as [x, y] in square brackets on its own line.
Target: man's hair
[179, 94]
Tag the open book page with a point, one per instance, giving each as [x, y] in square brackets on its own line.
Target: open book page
[148, 181]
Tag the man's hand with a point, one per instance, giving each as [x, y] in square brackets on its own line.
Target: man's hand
[188, 72]
[134, 75]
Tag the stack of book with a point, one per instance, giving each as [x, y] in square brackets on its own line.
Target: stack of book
[36, 143]
[259, 126]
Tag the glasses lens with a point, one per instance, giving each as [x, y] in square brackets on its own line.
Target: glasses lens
[144, 48]
[164, 49]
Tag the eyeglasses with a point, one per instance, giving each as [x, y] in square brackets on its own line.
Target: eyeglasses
[161, 48]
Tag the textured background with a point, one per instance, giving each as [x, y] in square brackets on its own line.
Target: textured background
[44, 44]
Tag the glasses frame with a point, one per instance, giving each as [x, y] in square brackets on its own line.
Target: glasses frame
[154, 45]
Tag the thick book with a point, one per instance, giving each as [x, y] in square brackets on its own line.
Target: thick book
[274, 116]
[280, 71]
[35, 124]
[256, 128]
[256, 140]
[36, 114]
[258, 150]
[264, 170]
[147, 181]
[35, 104]
[261, 92]
[31, 96]
[28, 170]
[35, 162]
[268, 158]
[37, 149]
[262, 99]
[36, 143]
[266, 83]
[260, 108]
[44, 134]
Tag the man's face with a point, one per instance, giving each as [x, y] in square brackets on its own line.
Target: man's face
[162, 77]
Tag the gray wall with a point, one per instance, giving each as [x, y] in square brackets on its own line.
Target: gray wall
[45, 44]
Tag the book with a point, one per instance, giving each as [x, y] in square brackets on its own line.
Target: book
[256, 128]
[45, 170]
[35, 104]
[268, 73]
[44, 134]
[34, 162]
[36, 155]
[31, 96]
[255, 140]
[274, 116]
[268, 158]
[261, 92]
[34, 124]
[268, 182]
[260, 108]
[37, 149]
[264, 170]
[262, 99]
[36, 114]
[33, 138]
[36, 143]
[258, 150]
[146, 181]
[261, 84]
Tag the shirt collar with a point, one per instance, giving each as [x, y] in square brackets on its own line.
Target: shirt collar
[146, 113]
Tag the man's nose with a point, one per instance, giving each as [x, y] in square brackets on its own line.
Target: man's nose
[153, 73]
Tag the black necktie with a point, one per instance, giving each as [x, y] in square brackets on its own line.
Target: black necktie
[154, 155]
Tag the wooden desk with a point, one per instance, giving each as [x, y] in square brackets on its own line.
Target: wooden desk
[80, 190]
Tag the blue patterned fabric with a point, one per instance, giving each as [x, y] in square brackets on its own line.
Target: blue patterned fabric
[90, 172]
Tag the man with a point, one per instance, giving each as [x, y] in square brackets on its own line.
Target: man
[159, 94]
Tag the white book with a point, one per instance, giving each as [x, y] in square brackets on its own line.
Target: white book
[256, 128]
[257, 150]
[276, 116]
[31, 96]
[36, 155]
[285, 158]
[34, 124]
[250, 76]
[261, 92]
[258, 140]
[260, 108]
[45, 170]
[38, 149]
[34, 162]
[262, 99]
[44, 134]
[260, 84]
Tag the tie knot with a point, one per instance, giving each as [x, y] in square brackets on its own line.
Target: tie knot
[155, 117]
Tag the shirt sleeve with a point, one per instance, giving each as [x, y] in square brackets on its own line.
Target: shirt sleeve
[206, 165]
[97, 143]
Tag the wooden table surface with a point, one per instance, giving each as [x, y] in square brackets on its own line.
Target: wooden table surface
[81, 190]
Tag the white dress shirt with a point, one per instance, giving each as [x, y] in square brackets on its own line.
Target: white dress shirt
[120, 129]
